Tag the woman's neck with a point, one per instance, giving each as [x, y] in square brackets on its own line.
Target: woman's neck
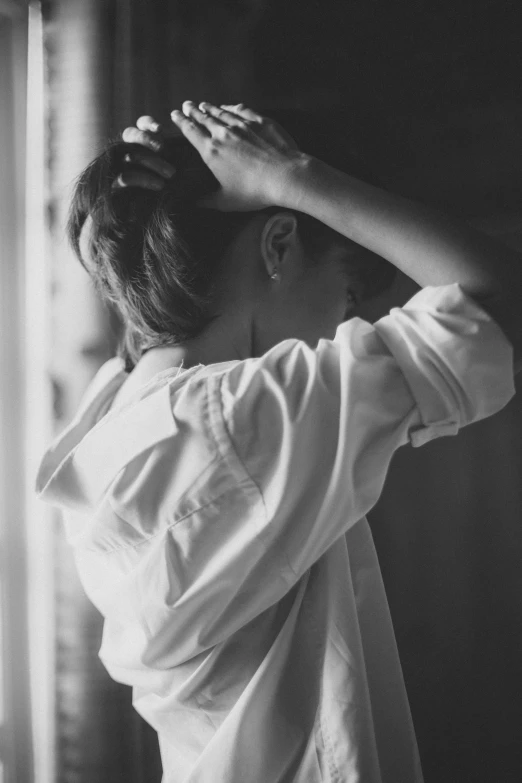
[211, 348]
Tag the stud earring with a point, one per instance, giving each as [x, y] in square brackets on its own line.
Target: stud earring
[274, 276]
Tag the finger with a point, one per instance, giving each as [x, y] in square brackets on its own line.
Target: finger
[138, 178]
[275, 132]
[280, 135]
[222, 115]
[208, 121]
[243, 111]
[194, 132]
[148, 123]
[145, 138]
[152, 162]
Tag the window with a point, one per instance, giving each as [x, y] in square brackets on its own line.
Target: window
[26, 627]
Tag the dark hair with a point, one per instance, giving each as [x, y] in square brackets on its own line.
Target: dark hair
[156, 256]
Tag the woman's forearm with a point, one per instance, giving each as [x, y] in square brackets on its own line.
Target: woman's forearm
[429, 247]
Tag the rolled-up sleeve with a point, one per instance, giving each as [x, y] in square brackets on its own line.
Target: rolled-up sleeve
[315, 430]
[454, 356]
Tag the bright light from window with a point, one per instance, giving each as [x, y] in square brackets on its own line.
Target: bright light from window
[37, 418]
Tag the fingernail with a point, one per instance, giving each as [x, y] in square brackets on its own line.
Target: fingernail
[167, 170]
[156, 145]
[154, 126]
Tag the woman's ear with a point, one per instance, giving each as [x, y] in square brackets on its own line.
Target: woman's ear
[279, 239]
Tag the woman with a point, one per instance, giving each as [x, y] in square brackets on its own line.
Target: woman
[215, 495]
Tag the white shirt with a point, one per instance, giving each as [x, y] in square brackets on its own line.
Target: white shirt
[218, 524]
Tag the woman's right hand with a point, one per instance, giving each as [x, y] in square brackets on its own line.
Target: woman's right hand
[145, 168]
[250, 155]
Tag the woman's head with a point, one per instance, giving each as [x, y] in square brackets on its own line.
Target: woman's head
[171, 268]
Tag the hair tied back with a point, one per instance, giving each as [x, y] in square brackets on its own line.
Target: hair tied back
[193, 179]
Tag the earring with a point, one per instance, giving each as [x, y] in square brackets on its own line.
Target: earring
[274, 276]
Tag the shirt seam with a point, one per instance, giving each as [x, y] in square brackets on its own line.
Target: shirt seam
[158, 532]
[216, 417]
[232, 456]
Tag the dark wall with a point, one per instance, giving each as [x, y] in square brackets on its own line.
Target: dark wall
[432, 93]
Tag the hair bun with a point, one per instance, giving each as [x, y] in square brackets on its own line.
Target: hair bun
[193, 178]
